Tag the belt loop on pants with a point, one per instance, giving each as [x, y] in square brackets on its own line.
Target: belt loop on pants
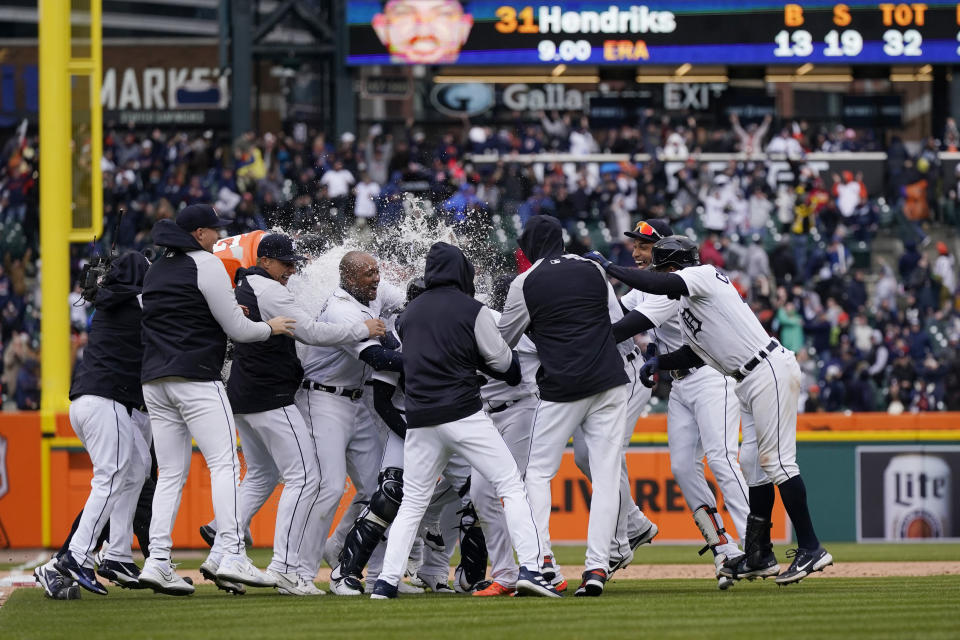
[353, 394]
[752, 363]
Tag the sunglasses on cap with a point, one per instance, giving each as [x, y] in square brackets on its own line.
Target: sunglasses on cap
[645, 230]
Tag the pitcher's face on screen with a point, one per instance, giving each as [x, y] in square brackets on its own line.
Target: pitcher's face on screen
[423, 31]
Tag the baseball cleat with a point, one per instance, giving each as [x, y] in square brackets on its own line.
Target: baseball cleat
[592, 583]
[552, 575]
[437, 584]
[433, 538]
[383, 590]
[209, 534]
[209, 571]
[347, 585]
[644, 538]
[738, 568]
[238, 568]
[85, 577]
[531, 583]
[122, 574]
[55, 584]
[495, 589]
[405, 587]
[291, 584]
[160, 576]
[804, 563]
[723, 582]
[461, 584]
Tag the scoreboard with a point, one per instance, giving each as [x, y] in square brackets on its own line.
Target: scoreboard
[748, 32]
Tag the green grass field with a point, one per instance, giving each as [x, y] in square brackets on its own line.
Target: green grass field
[816, 608]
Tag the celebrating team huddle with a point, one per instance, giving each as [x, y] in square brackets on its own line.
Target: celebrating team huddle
[445, 412]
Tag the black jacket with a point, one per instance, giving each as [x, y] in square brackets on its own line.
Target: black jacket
[440, 330]
[182, 292]
[563, 302]
[264, 375]
[111, 360]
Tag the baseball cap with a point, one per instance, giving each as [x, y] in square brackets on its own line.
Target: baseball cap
[650, 230]
[279, 247]
[198, 216]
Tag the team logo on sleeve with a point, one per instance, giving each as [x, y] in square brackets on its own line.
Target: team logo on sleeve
[694, 325]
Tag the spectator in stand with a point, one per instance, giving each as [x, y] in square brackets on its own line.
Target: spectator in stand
[710, 251]
[945, 270]
[790, 325]
[366, 193]
[784, 144]
[751, 138]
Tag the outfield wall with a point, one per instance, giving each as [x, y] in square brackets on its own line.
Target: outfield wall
[869, 477]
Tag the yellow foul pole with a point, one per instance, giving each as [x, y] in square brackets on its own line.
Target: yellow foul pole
[55, 202]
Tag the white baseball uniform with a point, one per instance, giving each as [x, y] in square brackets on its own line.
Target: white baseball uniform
[117, 441]
[703, 417]
[721, 328]
[276, 442]
[512, 410]
[600, 415]
[345, 437]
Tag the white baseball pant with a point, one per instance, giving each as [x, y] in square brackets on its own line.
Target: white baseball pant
[631, 521]
[277, 445]
[768, 411]
[703, 417]
[182, 409]
[345, 440]
[514, 424]
[425, 453]
[118, 449]
[601, 416]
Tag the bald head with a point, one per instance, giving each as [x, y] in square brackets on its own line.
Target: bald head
[360, 275]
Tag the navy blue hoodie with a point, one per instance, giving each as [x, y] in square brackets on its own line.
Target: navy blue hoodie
[111, 360]
[188, 310]
[447, 336]
[564, 303]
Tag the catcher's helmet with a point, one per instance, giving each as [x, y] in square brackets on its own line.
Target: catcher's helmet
[677, 251]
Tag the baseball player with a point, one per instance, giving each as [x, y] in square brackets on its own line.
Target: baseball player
[107, 415]
[263, 381]
[447, 335]
[703, 415]
[385, 405]
[719, 329]
[566, 305]
[345, 437]
[511, 409]
[189, 309]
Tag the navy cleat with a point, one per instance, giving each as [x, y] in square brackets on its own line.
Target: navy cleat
[85, 577]
[592, 583]
[55, 584]
[123, 574]
[805, 562]
[383, 590]
[534, 583]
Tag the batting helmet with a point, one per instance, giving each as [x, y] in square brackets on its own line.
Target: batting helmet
[677, 251]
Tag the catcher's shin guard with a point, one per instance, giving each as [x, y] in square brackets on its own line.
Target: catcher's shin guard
[711, 527]
[369, 527]
[473, 549]
[143, 515]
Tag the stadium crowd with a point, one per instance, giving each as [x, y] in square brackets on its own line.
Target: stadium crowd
[800, 251]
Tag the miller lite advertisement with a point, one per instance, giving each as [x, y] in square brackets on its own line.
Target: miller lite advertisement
[908, 493]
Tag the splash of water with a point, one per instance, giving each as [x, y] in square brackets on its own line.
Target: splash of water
[400, 250]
